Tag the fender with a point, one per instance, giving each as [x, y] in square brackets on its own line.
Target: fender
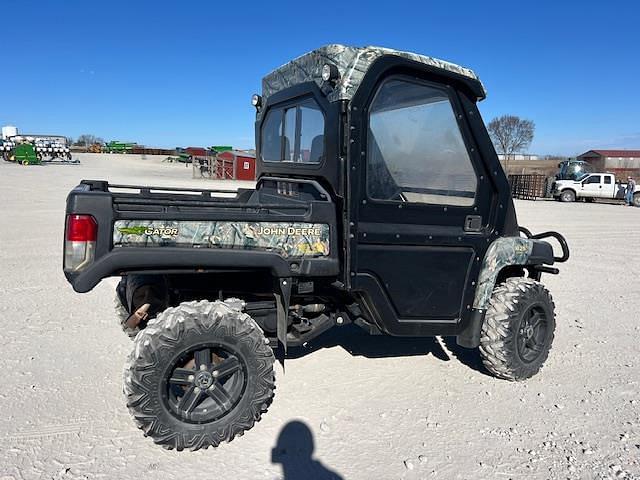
[504, 252]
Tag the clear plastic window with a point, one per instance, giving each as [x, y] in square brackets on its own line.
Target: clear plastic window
[416, 152]
[294, 133]
[271, 136]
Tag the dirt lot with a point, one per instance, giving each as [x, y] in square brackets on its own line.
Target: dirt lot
[391, 409]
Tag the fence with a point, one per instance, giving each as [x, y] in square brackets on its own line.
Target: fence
[529, 187]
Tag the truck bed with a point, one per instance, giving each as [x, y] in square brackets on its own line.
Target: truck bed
[286, 226]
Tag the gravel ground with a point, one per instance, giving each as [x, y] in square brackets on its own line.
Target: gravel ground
[354, 407]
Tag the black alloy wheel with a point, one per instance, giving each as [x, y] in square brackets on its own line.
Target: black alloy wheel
[532, 334]
[205, 384]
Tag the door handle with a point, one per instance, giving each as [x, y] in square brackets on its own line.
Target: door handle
[473, 223]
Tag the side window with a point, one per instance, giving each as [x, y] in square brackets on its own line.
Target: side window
[289, 134]
[294, 133]
[311, 133]
[415, 149]
[593, 179]
[271, 136]
[607, 180]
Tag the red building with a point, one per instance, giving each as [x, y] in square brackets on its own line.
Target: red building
[237, 165]
[196, 151]
[619, 162]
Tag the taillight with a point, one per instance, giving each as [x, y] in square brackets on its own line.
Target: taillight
[80, 242]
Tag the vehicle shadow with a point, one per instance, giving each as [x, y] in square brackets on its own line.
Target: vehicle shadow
[294, 451]
[359, 343]
[467, 356]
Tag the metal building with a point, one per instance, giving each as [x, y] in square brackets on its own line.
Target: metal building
[619, 162]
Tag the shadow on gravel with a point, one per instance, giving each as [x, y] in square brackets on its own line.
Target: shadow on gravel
[357, 342]
[466, 356]
[294, 451]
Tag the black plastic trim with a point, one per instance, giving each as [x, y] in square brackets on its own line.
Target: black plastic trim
[122, 260]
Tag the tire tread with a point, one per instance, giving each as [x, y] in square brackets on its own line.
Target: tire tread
[501, 324]
[163, 332]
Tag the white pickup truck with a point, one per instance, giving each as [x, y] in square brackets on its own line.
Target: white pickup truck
[591, 187]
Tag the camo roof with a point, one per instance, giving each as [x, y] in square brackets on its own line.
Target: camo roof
[352, 63]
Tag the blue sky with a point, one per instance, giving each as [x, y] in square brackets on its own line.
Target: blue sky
[182, 73]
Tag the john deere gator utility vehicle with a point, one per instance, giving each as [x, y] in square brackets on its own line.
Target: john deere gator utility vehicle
[380, 202]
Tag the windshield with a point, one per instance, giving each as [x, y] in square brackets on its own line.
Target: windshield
[293, 133]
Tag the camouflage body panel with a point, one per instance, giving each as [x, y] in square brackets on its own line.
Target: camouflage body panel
[502, 252]
[285, 238]
[352, 64]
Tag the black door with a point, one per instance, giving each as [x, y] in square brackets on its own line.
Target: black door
[424, 202]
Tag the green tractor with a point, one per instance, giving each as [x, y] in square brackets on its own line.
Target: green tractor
[25, 154]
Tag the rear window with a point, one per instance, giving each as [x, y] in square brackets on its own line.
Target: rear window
[293, 133]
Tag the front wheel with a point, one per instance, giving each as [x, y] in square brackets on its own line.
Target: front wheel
[518, 329]
[200, 374]
[636, 199]
[568, 196]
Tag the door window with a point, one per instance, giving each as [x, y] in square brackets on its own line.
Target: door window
[593, 179]
[607, 180]
[416, 152]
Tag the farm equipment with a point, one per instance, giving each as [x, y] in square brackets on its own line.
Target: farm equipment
[221, 148]
[6, 146]
[118, 147]
[183, 155]
[52, 149]
[573, 170]
[25, 154]
[380, 202]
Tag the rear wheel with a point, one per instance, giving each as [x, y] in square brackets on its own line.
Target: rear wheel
[122, 314]
[200, 373]
[636, 199]
[568, 196]
[518, 329]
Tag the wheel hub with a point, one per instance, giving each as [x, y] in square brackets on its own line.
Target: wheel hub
[205, 384]
[203, 380]
[532, 334]
[528, 332]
